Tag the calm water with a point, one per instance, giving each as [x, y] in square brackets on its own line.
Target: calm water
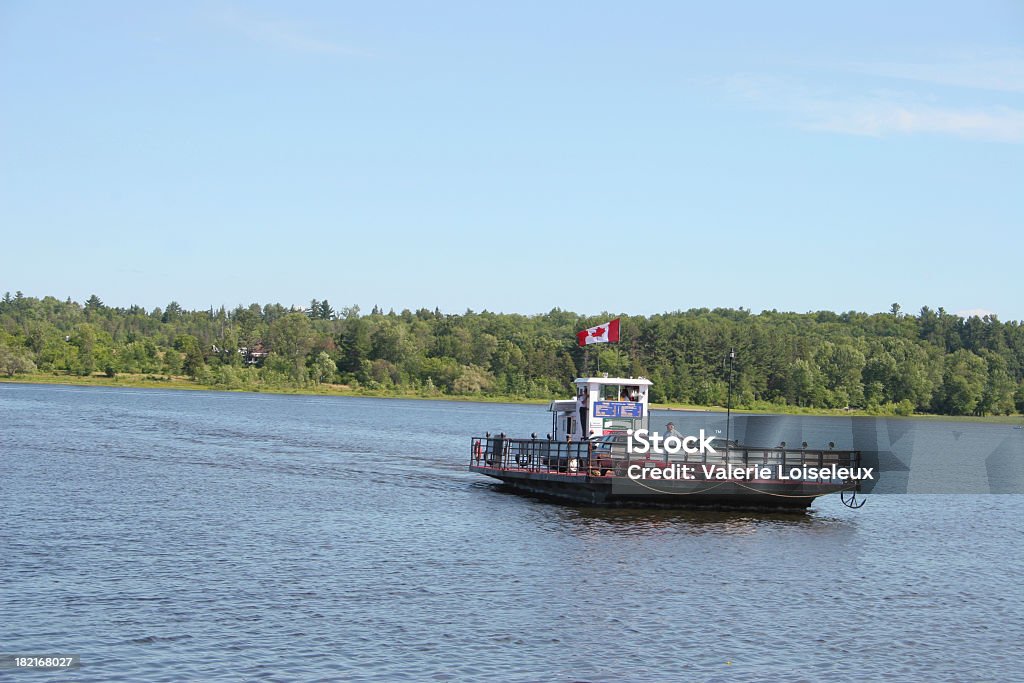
[196, 536]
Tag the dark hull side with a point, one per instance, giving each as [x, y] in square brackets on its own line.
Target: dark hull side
[774, 496]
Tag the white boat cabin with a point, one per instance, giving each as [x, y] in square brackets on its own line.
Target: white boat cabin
[603, 405]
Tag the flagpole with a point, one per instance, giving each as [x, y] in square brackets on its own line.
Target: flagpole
[728, 402]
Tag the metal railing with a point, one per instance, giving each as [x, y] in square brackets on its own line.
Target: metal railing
[802, 457]
[567, 457]
[596, 459]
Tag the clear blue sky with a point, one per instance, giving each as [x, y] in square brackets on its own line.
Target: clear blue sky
[794, 155]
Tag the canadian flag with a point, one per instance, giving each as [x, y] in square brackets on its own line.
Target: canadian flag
[609, 332]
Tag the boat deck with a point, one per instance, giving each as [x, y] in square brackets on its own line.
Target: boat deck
[739, 478]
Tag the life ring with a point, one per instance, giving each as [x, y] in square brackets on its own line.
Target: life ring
[478, 451]
[574, 465]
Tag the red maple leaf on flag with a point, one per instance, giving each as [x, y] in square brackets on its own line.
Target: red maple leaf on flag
[599, 334]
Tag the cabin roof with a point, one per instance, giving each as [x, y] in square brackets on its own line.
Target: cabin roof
[562, 406]
[632, 381]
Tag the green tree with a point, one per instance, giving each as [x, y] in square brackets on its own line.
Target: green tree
[172, 361]
[325, 312]
[963, 383]
[84, 339]
[172, 313]
[140, 356]
[15, 361]
[291, 338]
[804, 383]
[93, 305]
[841, 366]
[388, 342]
[473, 380]
[997, 396]
[228, 347]
[323, 368]
[442, 372]
[194, 361]
[910, 379]
[356, 344]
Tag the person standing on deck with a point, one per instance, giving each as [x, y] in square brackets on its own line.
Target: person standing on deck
[584, 423]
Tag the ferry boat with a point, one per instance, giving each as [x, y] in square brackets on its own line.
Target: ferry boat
[597, 454]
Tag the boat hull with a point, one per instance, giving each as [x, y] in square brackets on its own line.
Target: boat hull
[611, 491]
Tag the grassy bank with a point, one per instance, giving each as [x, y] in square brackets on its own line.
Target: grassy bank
[139, 381]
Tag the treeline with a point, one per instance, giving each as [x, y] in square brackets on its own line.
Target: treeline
[883, 363]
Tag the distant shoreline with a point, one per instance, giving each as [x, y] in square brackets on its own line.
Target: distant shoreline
[184, 384]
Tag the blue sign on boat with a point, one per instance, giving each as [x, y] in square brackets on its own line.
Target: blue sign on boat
[618, 409]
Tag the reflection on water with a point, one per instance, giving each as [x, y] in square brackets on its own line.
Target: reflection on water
[624, 520]
[170, 536]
